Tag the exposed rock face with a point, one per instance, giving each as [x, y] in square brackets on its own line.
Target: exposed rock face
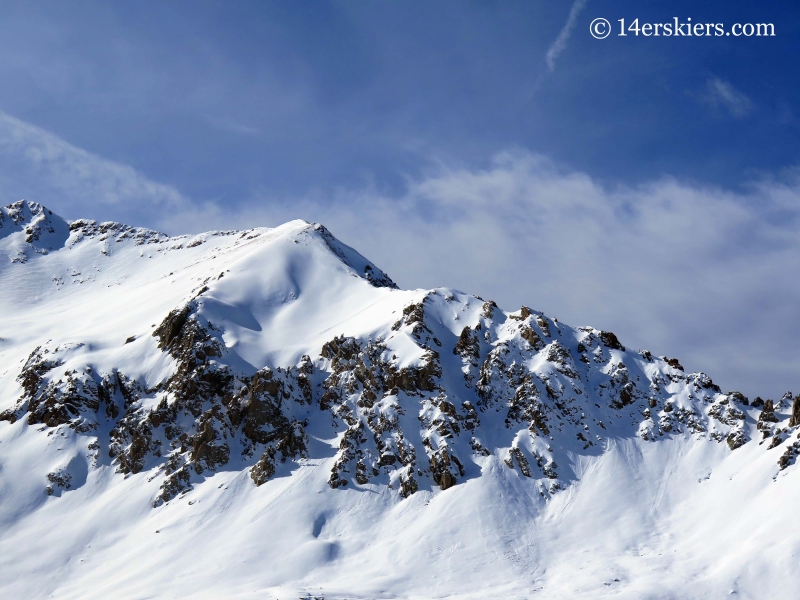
[794, 420]
[272, 416]
[736, 439]
[789, 456]
[766, 418]
[110, 231]
[152, 424]
[725, 411]
[365, 392]
[60, 479]
[610, 340]
[468, 346]
[263, 414]
[53, 397]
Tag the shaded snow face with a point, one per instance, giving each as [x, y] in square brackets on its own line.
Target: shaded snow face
[273, 391]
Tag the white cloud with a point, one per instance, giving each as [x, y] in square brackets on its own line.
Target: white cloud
[560, 44]
[722, 94]
[76, 176]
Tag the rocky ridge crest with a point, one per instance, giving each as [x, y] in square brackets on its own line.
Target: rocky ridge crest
[519, 386]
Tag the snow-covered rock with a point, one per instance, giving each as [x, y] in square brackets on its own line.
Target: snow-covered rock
[263, 413]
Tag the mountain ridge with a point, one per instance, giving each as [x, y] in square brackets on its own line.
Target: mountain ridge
[278, 359]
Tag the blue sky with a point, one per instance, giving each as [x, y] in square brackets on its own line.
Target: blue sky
[644, 185]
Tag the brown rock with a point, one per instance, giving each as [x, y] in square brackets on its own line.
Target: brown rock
[795, 418]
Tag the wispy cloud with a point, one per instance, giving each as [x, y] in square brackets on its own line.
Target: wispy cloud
[560, 44]
[231, 126]
[75, 175]
[721, 94]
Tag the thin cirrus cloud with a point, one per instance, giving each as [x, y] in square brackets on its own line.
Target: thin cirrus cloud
[560, 43]
[721, 94]
[66, 175]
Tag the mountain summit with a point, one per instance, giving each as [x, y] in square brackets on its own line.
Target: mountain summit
[264, 414]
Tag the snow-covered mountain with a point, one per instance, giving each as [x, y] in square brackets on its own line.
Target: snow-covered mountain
[264, 414]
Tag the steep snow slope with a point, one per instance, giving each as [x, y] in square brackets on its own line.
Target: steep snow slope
[264, 414]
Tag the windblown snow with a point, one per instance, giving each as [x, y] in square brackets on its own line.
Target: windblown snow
[264, 414]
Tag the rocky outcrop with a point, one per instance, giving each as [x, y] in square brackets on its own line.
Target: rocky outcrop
[724, 410]
[364, 393]
[71, 397]
[192, 421]
[610, 340]
[794, 420]
[468, 346]
[268, 412]
[60, 479]
[111, 231]
[766, 418]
